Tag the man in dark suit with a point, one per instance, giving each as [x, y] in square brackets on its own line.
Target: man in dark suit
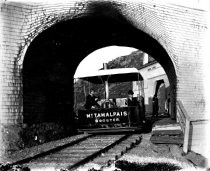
[141, 109]
[91, 100]
[133, 105]
[155, 106]
[131, 101]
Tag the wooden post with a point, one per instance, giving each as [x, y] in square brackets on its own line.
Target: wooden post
[184, 115]
[186, 136]
[106, 84]
[107, 90]
[84, 90]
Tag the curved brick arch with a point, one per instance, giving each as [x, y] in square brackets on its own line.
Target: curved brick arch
[118, 10]
[123, 10]
[126, 36]
[44, 18]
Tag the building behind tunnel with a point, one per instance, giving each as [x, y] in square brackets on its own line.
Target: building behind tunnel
[155, 82]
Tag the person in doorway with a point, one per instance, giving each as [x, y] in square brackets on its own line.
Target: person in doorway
[91, 100]
[155, 106]
[167, 105]
[141, 109]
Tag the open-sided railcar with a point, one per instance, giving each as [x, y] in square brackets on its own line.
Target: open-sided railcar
[107, 118]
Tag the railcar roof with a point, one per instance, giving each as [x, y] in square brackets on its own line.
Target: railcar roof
[112, 75]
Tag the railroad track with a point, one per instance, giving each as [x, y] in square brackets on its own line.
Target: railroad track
[98, 149]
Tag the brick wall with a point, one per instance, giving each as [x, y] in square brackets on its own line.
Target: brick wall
[179, 29]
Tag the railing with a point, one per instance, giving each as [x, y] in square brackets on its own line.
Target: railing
[185, 122]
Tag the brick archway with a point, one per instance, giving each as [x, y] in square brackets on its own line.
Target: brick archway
[176, 32]
[117, 12]
[142, 16]
[66, 44]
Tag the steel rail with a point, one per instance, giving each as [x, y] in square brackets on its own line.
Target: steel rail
[56, 149]
[97, 153]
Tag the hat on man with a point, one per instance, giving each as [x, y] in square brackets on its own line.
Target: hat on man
[130, 92]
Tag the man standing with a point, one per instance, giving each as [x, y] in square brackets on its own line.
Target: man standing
[131, 101]
[142, 108]
[91, 100]
[155, 106]
[133, 105]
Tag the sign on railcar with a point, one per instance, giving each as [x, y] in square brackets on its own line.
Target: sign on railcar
[104, 116]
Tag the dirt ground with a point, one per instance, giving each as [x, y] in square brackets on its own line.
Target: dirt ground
[149, 152]
[147, 149]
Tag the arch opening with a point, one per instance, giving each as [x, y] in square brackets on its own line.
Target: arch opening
[53, 56]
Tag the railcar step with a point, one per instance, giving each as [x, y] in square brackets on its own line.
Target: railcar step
[167, 139]
[110, 130]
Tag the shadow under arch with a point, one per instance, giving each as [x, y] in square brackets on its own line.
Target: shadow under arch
[53, 56]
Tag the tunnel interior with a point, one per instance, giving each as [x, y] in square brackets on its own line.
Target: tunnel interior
[53, 56]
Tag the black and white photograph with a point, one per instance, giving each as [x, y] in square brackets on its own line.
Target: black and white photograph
[104, 85]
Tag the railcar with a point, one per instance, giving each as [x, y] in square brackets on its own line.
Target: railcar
[111, 117]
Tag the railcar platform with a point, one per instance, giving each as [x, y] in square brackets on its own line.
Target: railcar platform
[110, 130]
